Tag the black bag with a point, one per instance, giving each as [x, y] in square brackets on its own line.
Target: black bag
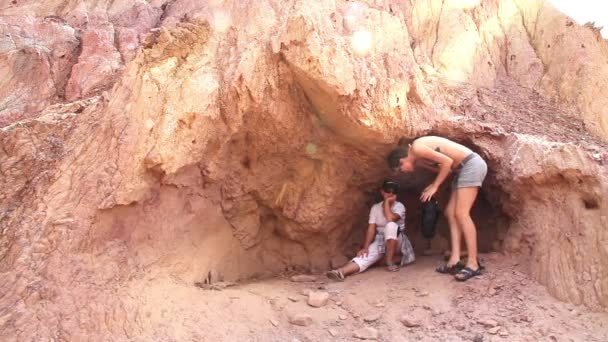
[429, 217]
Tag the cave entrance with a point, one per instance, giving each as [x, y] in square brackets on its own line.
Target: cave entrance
[490, 220]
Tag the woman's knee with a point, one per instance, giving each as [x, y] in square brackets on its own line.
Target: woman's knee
[462, 216]
[391, 230]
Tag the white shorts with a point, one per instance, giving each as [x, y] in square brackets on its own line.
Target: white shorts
[378, 248]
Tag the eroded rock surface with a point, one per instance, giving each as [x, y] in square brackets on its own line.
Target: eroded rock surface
[192, 141]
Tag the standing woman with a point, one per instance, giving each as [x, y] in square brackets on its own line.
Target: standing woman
[444, 157]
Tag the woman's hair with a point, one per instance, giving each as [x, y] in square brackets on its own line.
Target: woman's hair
[390, 187]
[395, 156]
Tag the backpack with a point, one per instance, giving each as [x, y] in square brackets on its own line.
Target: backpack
[429, 216]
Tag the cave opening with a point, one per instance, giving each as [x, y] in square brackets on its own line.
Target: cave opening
[491, 222]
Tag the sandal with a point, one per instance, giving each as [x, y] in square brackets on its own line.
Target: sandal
[335, 275]
[467, 273]
[393, 268]
[454, 269]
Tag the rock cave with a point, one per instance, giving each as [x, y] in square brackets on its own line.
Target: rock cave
[167, 166]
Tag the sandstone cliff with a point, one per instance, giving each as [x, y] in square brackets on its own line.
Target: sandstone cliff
[156, 141]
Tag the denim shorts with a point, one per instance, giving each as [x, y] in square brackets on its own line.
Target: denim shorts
[471, 172]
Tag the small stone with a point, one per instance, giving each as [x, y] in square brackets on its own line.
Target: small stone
[409, 322]
[460, 297]
[366, 333]
[293, 299]
[520, 297]
[274, 322]
[305, 292]
[332, 332]
[493, 331]
[492, 292]
[488, 322]
[426, 307]
[422, 294]
[478, 338]
[303, 278]
[373, 317]
[460, 327]
[380, 305]
[303, 320]
[339, 303]
[503, 333]
[342, 317]
[317, 299]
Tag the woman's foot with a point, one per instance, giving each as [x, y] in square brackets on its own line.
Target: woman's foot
[450, 269]
[393, 268]
[467, 273]
[335, 275]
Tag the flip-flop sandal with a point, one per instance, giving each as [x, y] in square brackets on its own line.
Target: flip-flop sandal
[467, 273]
[335, 275]
[393, 268]
[454, 269]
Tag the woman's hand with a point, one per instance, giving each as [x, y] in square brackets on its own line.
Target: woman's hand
[363, 253]
[428, 192]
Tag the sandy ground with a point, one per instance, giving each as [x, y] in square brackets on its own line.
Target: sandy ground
[501, 305]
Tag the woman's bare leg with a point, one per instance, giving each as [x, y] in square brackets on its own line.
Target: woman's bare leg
[455, 230]
[465, 197]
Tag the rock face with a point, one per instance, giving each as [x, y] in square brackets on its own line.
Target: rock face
[209, 141]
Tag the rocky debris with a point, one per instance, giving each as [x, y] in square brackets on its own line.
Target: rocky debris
[303, 278]
[300, 319]
[367, 333]
[342, 317]
[294, 299]
[477, 338]
[274, 322]
[317, 299]
[332, 332]
[408, 322]
[503, 333]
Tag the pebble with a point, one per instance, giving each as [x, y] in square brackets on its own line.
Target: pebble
[303, 278]
[339, 303]
[366, 333]
[422, 294]
[293, 299]
[373, 317]
[343, 317]
[380, 305]
[460, 327]
[492, 292]
[409, 323]
[332, 332]
[274, 322]
[305, 292]
[493, 331]
[478, 338]
[303, 320]
[503, 333]
[317, 299]
[488, 322]
[520, 297]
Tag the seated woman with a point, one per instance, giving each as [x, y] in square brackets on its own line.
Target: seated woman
[385, 238]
